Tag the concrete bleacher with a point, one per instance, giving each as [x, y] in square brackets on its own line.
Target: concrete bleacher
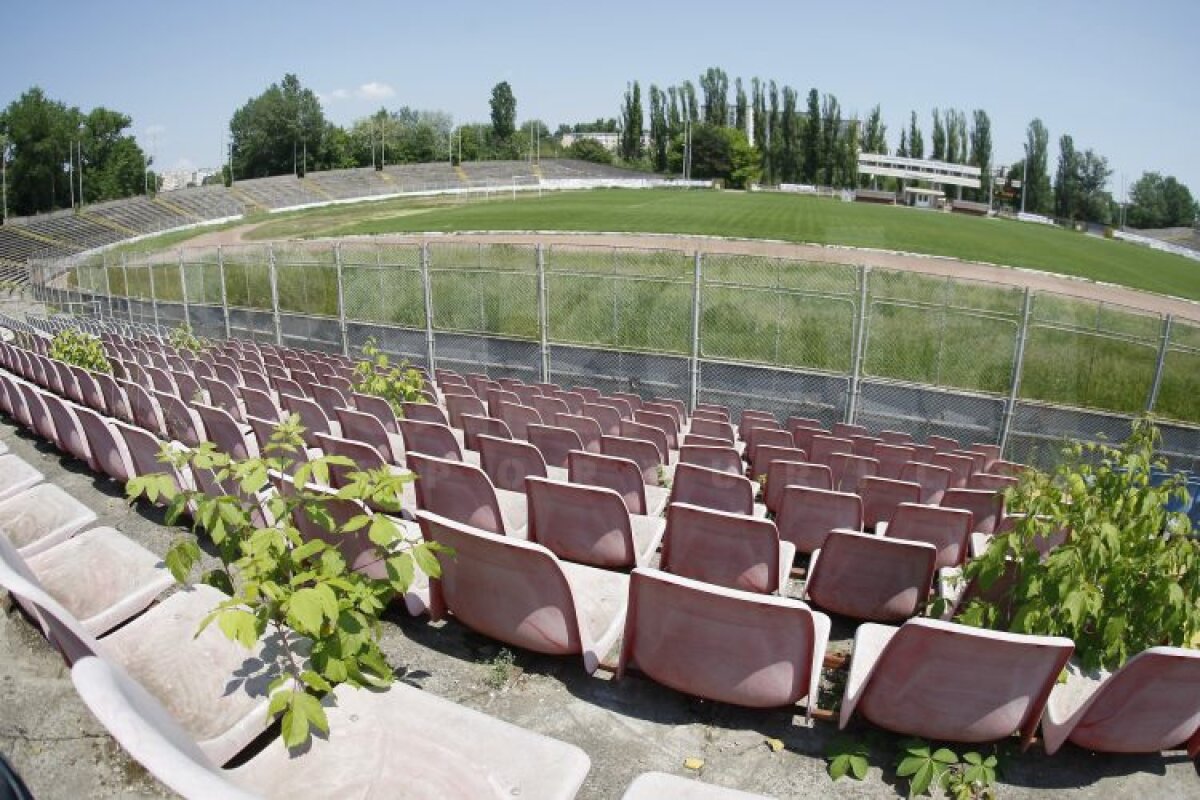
[139, 214]
[204, 202]
[74, 230]
[280, 191]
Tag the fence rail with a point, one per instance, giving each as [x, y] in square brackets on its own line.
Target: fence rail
[884, 348]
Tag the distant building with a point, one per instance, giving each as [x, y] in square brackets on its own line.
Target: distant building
[183, 178]
[610, 141]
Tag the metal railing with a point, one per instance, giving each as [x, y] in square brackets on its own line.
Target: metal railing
[885, 348]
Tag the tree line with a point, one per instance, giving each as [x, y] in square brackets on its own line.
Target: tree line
[48, 146]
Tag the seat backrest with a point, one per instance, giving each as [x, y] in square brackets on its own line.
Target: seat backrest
[430, 438]
[765, 454]
[115, 402]
[711, 415]
[312, 416]
[498, 397]
[845, 430]
[224, 431]
[639, 451]
[1141, 708]
[587, 428]
[873, 578]
[665, 422]
[573, 400]
[189, 388]
[554, 442]
[585, 524]
[145, 410]
[518, 418]
[990, 452]
[891, 458]
[782, 474]
[635, 400]
[606, 416]
[979, 461]
[182, 425]
[802, 436]
[806, 516]
[675, 405]
[947, 529]
[735, 647]
[508, 462]
[457, 491]
[107, 448]
[367, 428]
[589, 394]
[60, 626]
[996, 483]
[986, 507]
[849, 470]
[960, 467]
[724, 459]
[89, 391]
[882, 496]
[896, 437]
[750, 416]
[548, 406]
[377, 407]
[223, 395]
[715, 429]
[474, 426]
[709, 488]
[459, 404]
[424, 412]
[823, 448]
[934, 480]
[941, 680]
[632, 429]
[623, 407]
[865, 445]
[259, 404]
[329, 398]
[621, 475]
[364, 456]
[732, 550]
[508, 589]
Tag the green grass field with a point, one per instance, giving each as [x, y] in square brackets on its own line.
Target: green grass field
[923, 329]
[767, 216]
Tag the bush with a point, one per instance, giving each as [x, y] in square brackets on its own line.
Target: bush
[589, 150]
[74, 347]
[182, 338]
[397, 384]
[1126, 578]
[279, 581]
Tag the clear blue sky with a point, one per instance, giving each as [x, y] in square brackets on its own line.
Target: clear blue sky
[1120, 77]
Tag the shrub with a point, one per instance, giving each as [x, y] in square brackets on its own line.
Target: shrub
[277, 580]
[397, 384]
[83, 350]
[1128, 575]
[182, 338]
[586, 149]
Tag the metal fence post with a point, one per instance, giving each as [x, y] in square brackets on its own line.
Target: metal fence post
[1163, 346]
[153, 296]
[543, 312]
[427, 288]
[224, 297]
[125, 275]
[694, 376]
[274, 280]
[860, 343]
[108, 287]
[341, 299]
[1010, 407]
[187, 312]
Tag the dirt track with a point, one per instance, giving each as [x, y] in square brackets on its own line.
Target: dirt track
[930, 265]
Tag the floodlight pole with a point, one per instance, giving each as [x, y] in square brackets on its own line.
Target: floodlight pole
[81, 168]
[4, 179]
[71, 172]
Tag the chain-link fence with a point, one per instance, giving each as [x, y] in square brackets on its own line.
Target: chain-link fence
[887, 349]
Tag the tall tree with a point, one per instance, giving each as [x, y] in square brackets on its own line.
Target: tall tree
[1158, 202]
[916, 143]
[1036, 187]
[715, 85]
[953, 154]
[741, 119]
[789, 157]
[810, 139]
[874, 139]
[631, 123]
[1095, 204]
[981, 151]
[1066, 180]
[504, 111]
[660, 134]
[758, 103]
[691, 109]
[938, 138]
[902, 150]
[774, 139]
[846, 175]
[271, 132]
[674, 115]
[831, 133]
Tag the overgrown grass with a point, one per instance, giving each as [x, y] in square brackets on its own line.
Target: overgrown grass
[921, 329]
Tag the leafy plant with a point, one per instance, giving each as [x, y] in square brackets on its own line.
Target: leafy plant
[182, 338]
[924, 766]
[83, 350]
[376, 375]
[1126, 578]
[974, 778]
[501, 669]
[281, 581]
[847, 756]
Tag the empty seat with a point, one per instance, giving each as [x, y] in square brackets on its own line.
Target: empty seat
[474, 426]
[518, 418]
[549, 406]
[312, 417]
[606, 416]
[960, 467]
[942, 444]
[844, 430]
[986, 507]
[378, 407]
[458, 405]
[508, 462]
[947, 529]
[224, 395]
[554, 442]
[260, 404]
[586, 428]
[520, 593]
[986, 480]
[892, 458]
[464, 493]
[622, 476]
[109, 453]
[723, 459]
[424, 412]
[432, 439]
[824, 447]
[589, 525]
[637, 430]
[882, 496]
[365, 457]
[934, 481]
[896, 437]
[715, 429]
[766, 454]
[41, 516]
[782, 474]
[869, 577]
[939, 680]
[224, 431]
[806, 516]
[664, 422]
[731, 550]
[367, 428]
[849, 470]
[722, 644]
[709, 488]
[640, 452]
[183, 424]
